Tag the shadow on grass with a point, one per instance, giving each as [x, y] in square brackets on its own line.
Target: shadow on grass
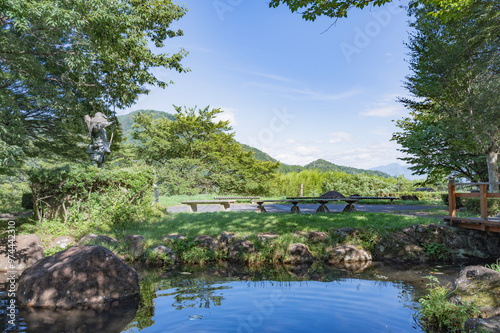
[249, 223]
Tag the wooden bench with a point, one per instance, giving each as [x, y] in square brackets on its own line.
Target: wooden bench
[225, 205]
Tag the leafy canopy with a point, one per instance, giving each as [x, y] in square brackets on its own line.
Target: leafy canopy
[312, 9]
[62, 59]
[196, 152]
[455, 81]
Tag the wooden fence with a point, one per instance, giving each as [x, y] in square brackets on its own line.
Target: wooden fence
[483, 196]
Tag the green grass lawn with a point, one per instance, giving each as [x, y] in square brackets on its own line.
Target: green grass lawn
[240, 223]
[250, 223]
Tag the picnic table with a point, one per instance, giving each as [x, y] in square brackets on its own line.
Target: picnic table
[324, 200]
[260, 208]
[296, 200]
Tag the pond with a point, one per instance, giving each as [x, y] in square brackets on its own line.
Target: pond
[381, 298]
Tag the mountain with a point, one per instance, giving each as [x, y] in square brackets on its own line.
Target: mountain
[259, 154]
[324, 166]
[321, 165]
[395, 169]
[126, 120]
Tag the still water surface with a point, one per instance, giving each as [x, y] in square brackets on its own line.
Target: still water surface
[325, 299]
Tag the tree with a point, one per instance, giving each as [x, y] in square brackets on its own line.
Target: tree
[433, 149]
[196, 143]
[456, 79]
[312, 9]
[62, 59]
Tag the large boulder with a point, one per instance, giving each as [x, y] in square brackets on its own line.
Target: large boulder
[298, 253]
[134, 245]
[207, 242]
[26, 250]
[225, 239]
[348, 253]
[62, 242]
[77, 276]
[161, 255]
[353, 258]
[238, 248]
[93, 239]
[491, 324]
[480, 285]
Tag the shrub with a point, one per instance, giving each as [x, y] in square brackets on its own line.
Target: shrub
[27, 201]
[438, 314]
[91, 196]
[437, 251]
[473, 205]
[459, 201]
[11, 192]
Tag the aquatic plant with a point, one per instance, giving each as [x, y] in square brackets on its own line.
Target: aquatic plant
[438, 314]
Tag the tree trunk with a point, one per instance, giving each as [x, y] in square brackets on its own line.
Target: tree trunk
[492, 160]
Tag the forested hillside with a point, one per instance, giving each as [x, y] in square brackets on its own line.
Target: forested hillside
[127, 120]
[321, 165]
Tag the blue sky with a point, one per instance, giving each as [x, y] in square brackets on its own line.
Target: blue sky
[297, 90]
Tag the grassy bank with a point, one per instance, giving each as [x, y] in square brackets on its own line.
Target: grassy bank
[241, 223]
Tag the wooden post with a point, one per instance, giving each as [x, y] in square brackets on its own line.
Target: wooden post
[452, 201]
[301, 190]
[483, 190]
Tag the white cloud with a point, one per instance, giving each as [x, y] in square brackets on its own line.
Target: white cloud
[339, 137]
[383, 111]
[385, 107]
[228, 114]
[306, 150]
[303, 93]
[273, 77]
[367, 157]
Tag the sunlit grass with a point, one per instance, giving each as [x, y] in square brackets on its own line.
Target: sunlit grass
[250, 223]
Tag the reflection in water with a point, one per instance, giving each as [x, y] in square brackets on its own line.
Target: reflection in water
[195, 293]
[110, 317]
[240, 299]
[288, 299]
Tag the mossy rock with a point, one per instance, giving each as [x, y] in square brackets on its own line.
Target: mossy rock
[480, 285]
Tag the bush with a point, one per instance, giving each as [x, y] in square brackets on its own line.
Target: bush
[473, 205]
[459, 201]
[438, 314]
[11, 192]
[27, 201]
[87, 195]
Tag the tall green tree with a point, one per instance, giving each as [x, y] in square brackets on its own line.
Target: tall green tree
[199, 144]
[62, 59]
[455, 77]
[435, 150]
[312, 9]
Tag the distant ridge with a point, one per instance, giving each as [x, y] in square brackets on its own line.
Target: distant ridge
[259, 154]
[395, 169]
[324, 166]
[321, 165]
[126, 120]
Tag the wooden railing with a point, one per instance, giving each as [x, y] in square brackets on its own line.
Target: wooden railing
[483, 195]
